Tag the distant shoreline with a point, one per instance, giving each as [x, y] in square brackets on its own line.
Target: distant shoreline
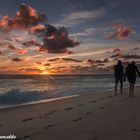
[57, 99]
[31, 75]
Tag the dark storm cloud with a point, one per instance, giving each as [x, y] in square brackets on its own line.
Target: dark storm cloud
[56, 40]
[121, 33]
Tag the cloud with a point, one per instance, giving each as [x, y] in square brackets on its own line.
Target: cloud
[121, 33]
[47, 64]
[97, 61]
[70, 60]
[75, 18]
[31, 70]
[138, 40]
[51, 39]
[18, 50]
[16, 60]
[133, 56]
[31, 43]
[53, 59]
[56, 40]
[24, 18]
[64, 59]
[37, 28]
[21, 51]
[116, 50]
[125, 56]
[135, 48]
[86, 32]
[117, 55]
[39, 63]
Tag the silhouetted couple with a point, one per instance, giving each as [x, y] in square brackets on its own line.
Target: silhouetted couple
[120, 76]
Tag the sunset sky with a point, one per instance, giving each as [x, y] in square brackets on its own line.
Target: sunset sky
[67, 36]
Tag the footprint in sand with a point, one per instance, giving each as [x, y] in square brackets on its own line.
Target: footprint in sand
[88, 113]
[101, 108]
[80, 105]
[108, 104]
[69, 108]
[49, 126]
[78, 119]
[100, 99]
[110, 96]
[120, 101]
[135, 129]
[50, 113]
[28, 119]
[94, 101]
[40, 117]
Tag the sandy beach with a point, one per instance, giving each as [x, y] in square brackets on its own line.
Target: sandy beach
[99, 116]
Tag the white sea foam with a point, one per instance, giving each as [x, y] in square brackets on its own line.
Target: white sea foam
[24, 90]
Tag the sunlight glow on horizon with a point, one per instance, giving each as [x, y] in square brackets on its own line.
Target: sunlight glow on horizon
[45, 73]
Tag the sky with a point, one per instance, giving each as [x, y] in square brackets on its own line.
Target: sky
[67, 36]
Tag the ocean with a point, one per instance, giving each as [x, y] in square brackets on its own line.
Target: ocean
[25, 89]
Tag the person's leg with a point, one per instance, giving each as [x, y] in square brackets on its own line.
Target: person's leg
[129, 89]
[121, 86]
[116, 85]
[132, 90]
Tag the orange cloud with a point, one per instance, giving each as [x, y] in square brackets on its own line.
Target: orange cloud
[24, 18]
[121, 33]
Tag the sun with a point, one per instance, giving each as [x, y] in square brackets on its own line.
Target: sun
[45, 73]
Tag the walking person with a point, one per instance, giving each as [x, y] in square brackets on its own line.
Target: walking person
[131, 74]
[119, 76]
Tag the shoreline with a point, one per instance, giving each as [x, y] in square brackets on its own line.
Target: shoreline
[59, 98]
[55, 99]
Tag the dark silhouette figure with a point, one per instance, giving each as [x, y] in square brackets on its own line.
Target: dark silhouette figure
[131, 74]
[119, 76]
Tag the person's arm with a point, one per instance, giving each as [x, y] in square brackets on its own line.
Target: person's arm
[138, 72]
[114, 71]
[125, 74]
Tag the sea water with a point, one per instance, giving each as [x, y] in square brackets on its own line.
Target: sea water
[21, 89]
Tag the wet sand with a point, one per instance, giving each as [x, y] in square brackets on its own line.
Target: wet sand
[98, 116]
